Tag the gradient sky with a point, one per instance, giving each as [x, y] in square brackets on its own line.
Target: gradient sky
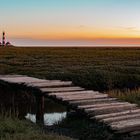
[71, 22]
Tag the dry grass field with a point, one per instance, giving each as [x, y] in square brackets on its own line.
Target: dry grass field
[95, 68]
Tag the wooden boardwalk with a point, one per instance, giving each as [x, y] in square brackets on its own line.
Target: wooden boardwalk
[121, 116]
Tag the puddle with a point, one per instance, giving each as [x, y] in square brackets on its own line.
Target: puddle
[49, 118]
[53, 113]
[25, 107]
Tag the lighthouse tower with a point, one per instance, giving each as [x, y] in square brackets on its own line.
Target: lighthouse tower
[3, 39]
[4, 43]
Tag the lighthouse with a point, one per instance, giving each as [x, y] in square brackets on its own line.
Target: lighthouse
[4, 43]
[3, 39]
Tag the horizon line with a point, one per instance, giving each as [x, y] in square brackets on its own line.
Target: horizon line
[94, 46]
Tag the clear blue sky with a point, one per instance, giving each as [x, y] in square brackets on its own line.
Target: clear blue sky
[42, 21]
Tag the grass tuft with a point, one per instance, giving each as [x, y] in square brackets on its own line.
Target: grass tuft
[132, 96]
[15, 129]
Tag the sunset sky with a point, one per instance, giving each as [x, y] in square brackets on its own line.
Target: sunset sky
[71, 22]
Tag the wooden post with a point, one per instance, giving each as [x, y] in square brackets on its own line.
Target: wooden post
[68, 111]
[40, 109]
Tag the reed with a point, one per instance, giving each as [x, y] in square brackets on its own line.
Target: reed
[132, 96]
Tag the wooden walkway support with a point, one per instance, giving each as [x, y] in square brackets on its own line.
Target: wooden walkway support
[121, 116]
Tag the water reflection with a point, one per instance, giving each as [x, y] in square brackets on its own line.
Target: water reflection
[24, 104]
[52, 118]
[53, 113]
[49, 118]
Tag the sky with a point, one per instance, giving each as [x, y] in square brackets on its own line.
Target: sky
[71, 22]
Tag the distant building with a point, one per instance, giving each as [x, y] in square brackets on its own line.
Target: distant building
[3, 39]
[4, 43]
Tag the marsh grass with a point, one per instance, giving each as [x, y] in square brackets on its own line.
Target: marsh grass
[11, 128]
[132, 96]
[10, 113]
[93, 68]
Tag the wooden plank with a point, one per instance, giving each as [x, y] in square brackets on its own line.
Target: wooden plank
[71, 101]
[109, 109]
[135, 133]
[126, 125]
[78, 95]
[61, 89]
[11, 76]
[85, 97]
[74, 93]
[121, 118]
[102, 105]
[23, 79]
[93, 101]
[117, 114]
[42, 82]
[50, 84]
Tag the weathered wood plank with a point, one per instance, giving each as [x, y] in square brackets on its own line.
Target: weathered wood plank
[50, 84]
[11, 76]
[102, 105]
[73, 93]
[78, 95]
[126, 126]
[42, 82]
[109, 109]
[135, 133]
[23, 79]
[61, 89]
[121, 118]
[93, 101]
[85, 97]
[105, 116]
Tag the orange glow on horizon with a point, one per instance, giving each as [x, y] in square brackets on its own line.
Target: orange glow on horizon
[97, 34]
[71, 33]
